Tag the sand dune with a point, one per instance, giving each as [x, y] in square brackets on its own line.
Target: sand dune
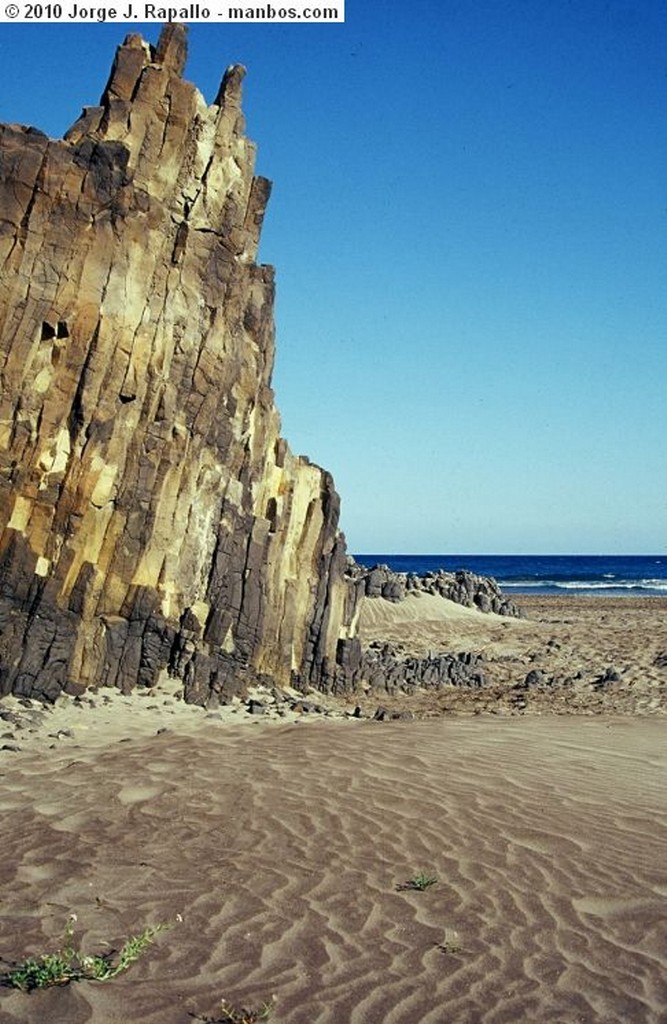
[281, 849]
[419, 607]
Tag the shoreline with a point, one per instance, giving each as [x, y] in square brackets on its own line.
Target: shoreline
[598, 596]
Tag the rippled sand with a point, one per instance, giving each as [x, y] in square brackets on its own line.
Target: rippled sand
[282, 849]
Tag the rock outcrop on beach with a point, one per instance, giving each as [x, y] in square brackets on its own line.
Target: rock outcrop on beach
[151, 515]
[152, 518]
[462, 587]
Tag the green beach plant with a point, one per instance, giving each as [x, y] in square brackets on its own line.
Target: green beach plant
[230, 1014]
[418, 883]
[69, 964]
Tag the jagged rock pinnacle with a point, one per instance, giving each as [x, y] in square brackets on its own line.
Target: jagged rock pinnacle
[151, 517]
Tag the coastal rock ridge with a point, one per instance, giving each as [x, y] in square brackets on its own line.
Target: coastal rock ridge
[151, 515]
[462, 587]
[152, 518]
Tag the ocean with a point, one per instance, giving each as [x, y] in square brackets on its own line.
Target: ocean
[599, 575]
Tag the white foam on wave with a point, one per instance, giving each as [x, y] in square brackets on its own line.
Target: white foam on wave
[609, 583]
[616, 585]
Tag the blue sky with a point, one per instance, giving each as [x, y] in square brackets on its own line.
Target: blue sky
[468, 224]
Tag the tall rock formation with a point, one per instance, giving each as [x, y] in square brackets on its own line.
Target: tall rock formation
[151, 516]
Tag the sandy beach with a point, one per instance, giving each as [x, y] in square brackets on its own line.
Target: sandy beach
[277, 851]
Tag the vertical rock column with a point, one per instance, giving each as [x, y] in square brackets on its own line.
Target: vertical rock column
[151, 516]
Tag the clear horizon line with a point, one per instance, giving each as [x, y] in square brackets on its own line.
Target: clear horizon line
[512, 554]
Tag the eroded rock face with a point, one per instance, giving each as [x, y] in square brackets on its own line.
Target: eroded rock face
[151, 516]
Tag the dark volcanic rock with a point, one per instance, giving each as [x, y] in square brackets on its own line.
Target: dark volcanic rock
[255, 707]
[534, 678]
[385, 668]
[383, 714]
[463, 587]
[610, 675]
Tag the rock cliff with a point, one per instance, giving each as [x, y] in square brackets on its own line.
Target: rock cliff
[151, 516]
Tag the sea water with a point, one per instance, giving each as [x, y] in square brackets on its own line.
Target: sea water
[600, 575]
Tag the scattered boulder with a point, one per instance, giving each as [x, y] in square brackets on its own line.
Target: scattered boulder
[73, 689]
[384, 714]
[255, 707]
[610, 675]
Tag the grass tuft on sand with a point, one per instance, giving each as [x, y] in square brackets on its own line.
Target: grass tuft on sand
[419, 882]
[69, 964]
